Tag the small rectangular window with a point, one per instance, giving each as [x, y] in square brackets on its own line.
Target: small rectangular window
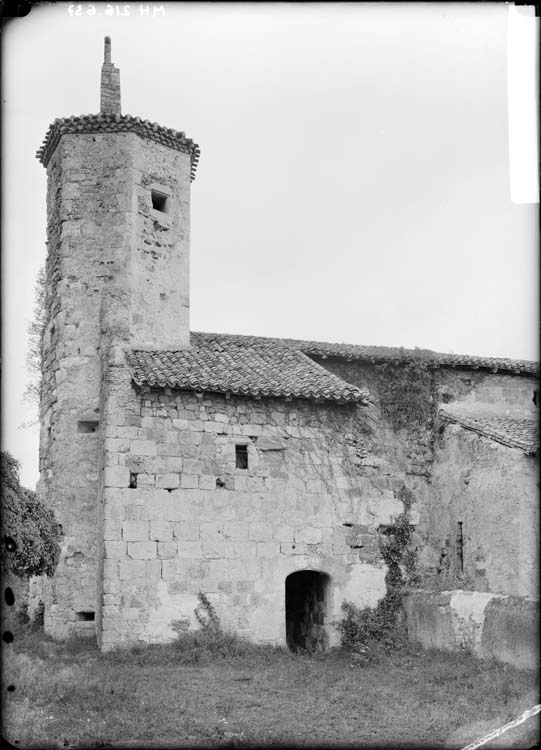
[133, 481]
[87, 426]
[160, 201]
[86, 616]
[241, 456]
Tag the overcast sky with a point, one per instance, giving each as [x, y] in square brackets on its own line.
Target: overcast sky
[353, 183]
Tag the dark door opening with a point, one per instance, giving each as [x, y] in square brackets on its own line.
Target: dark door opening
[306, 610]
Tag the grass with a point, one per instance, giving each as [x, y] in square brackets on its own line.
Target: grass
[186, 694]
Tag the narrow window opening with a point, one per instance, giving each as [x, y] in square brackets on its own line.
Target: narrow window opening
[9, 597]
[133, 481]
[160, 202]
[87, 427]
[220, 482]
[460, 547]
[86, 616]
[241, 456]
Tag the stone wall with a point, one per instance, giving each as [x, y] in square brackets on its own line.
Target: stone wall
[179, 516]
[483, 624]
[116, 267]
[458, 476]
[487, 494]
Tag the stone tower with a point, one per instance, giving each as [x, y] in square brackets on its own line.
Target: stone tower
[118, 202]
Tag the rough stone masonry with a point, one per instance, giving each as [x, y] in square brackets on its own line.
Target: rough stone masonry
[262, 472]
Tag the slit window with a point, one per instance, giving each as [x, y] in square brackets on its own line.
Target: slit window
[460, 547]
[160, 201]
[87, 426]
[133, 481]
[86, 616]
[241, 456]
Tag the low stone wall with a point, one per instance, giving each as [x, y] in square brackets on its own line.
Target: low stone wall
[505, 628]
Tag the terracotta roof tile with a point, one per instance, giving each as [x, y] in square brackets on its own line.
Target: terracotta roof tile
[515, 432]
[383, 353]
[244, 368]
[111, 123]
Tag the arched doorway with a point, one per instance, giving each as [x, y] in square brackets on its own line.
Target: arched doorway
[306, 610]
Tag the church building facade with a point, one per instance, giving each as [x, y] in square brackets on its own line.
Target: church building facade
[264, 473]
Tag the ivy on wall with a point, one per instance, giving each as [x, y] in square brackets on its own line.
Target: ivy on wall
[361, 628]
[406, 391]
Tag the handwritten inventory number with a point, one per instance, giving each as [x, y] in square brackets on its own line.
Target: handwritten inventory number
[116, 10]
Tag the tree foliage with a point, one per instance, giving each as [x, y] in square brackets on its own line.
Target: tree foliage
[29, 529]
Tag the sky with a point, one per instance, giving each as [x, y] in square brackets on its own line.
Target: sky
[353, 184]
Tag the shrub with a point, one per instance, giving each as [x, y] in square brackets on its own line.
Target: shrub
[28, 528]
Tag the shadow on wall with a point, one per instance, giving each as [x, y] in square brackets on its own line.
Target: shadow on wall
[307, 595]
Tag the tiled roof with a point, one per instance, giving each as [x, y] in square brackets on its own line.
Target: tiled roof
[260, 369]
[381, 353]
[515, 432]
[109, 123]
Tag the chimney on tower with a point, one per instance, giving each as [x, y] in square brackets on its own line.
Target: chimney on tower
[110, 83]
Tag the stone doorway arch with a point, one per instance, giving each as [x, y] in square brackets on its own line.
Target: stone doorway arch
[307, 595]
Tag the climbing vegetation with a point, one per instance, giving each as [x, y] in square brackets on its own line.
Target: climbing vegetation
[406, 391]
[364, 629]
[35, 339]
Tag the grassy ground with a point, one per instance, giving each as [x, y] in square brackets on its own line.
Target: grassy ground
[68, 695]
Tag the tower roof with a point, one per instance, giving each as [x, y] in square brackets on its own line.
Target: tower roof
[110, 120]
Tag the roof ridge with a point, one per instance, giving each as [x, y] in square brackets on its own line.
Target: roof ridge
[375, 353]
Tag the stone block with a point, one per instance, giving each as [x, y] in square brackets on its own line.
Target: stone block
[240, 484]
[161, 531]
[116, 476]
[252, 430]
[235, 531]
[132, 512]
[143, 448]
[193, 466]
[309, 534]
[268, 443]
[298, 548]
[111, 529]
[268, 549]
[207, 482]
[189, 481]
[245, 549]
[180, 424]
[186, 531]
[167, 550]
[141, 550]
[135, 531]
[217, 427]
[211, 530]
[167, 449]
[217, 549]
[145, 480]
[190, 549]
[130, 570]
[173, 464]
[114, 550]
[260, 532]
[283, 534]
[167, 481]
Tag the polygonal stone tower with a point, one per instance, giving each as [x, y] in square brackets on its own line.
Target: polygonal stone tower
[118, 201]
